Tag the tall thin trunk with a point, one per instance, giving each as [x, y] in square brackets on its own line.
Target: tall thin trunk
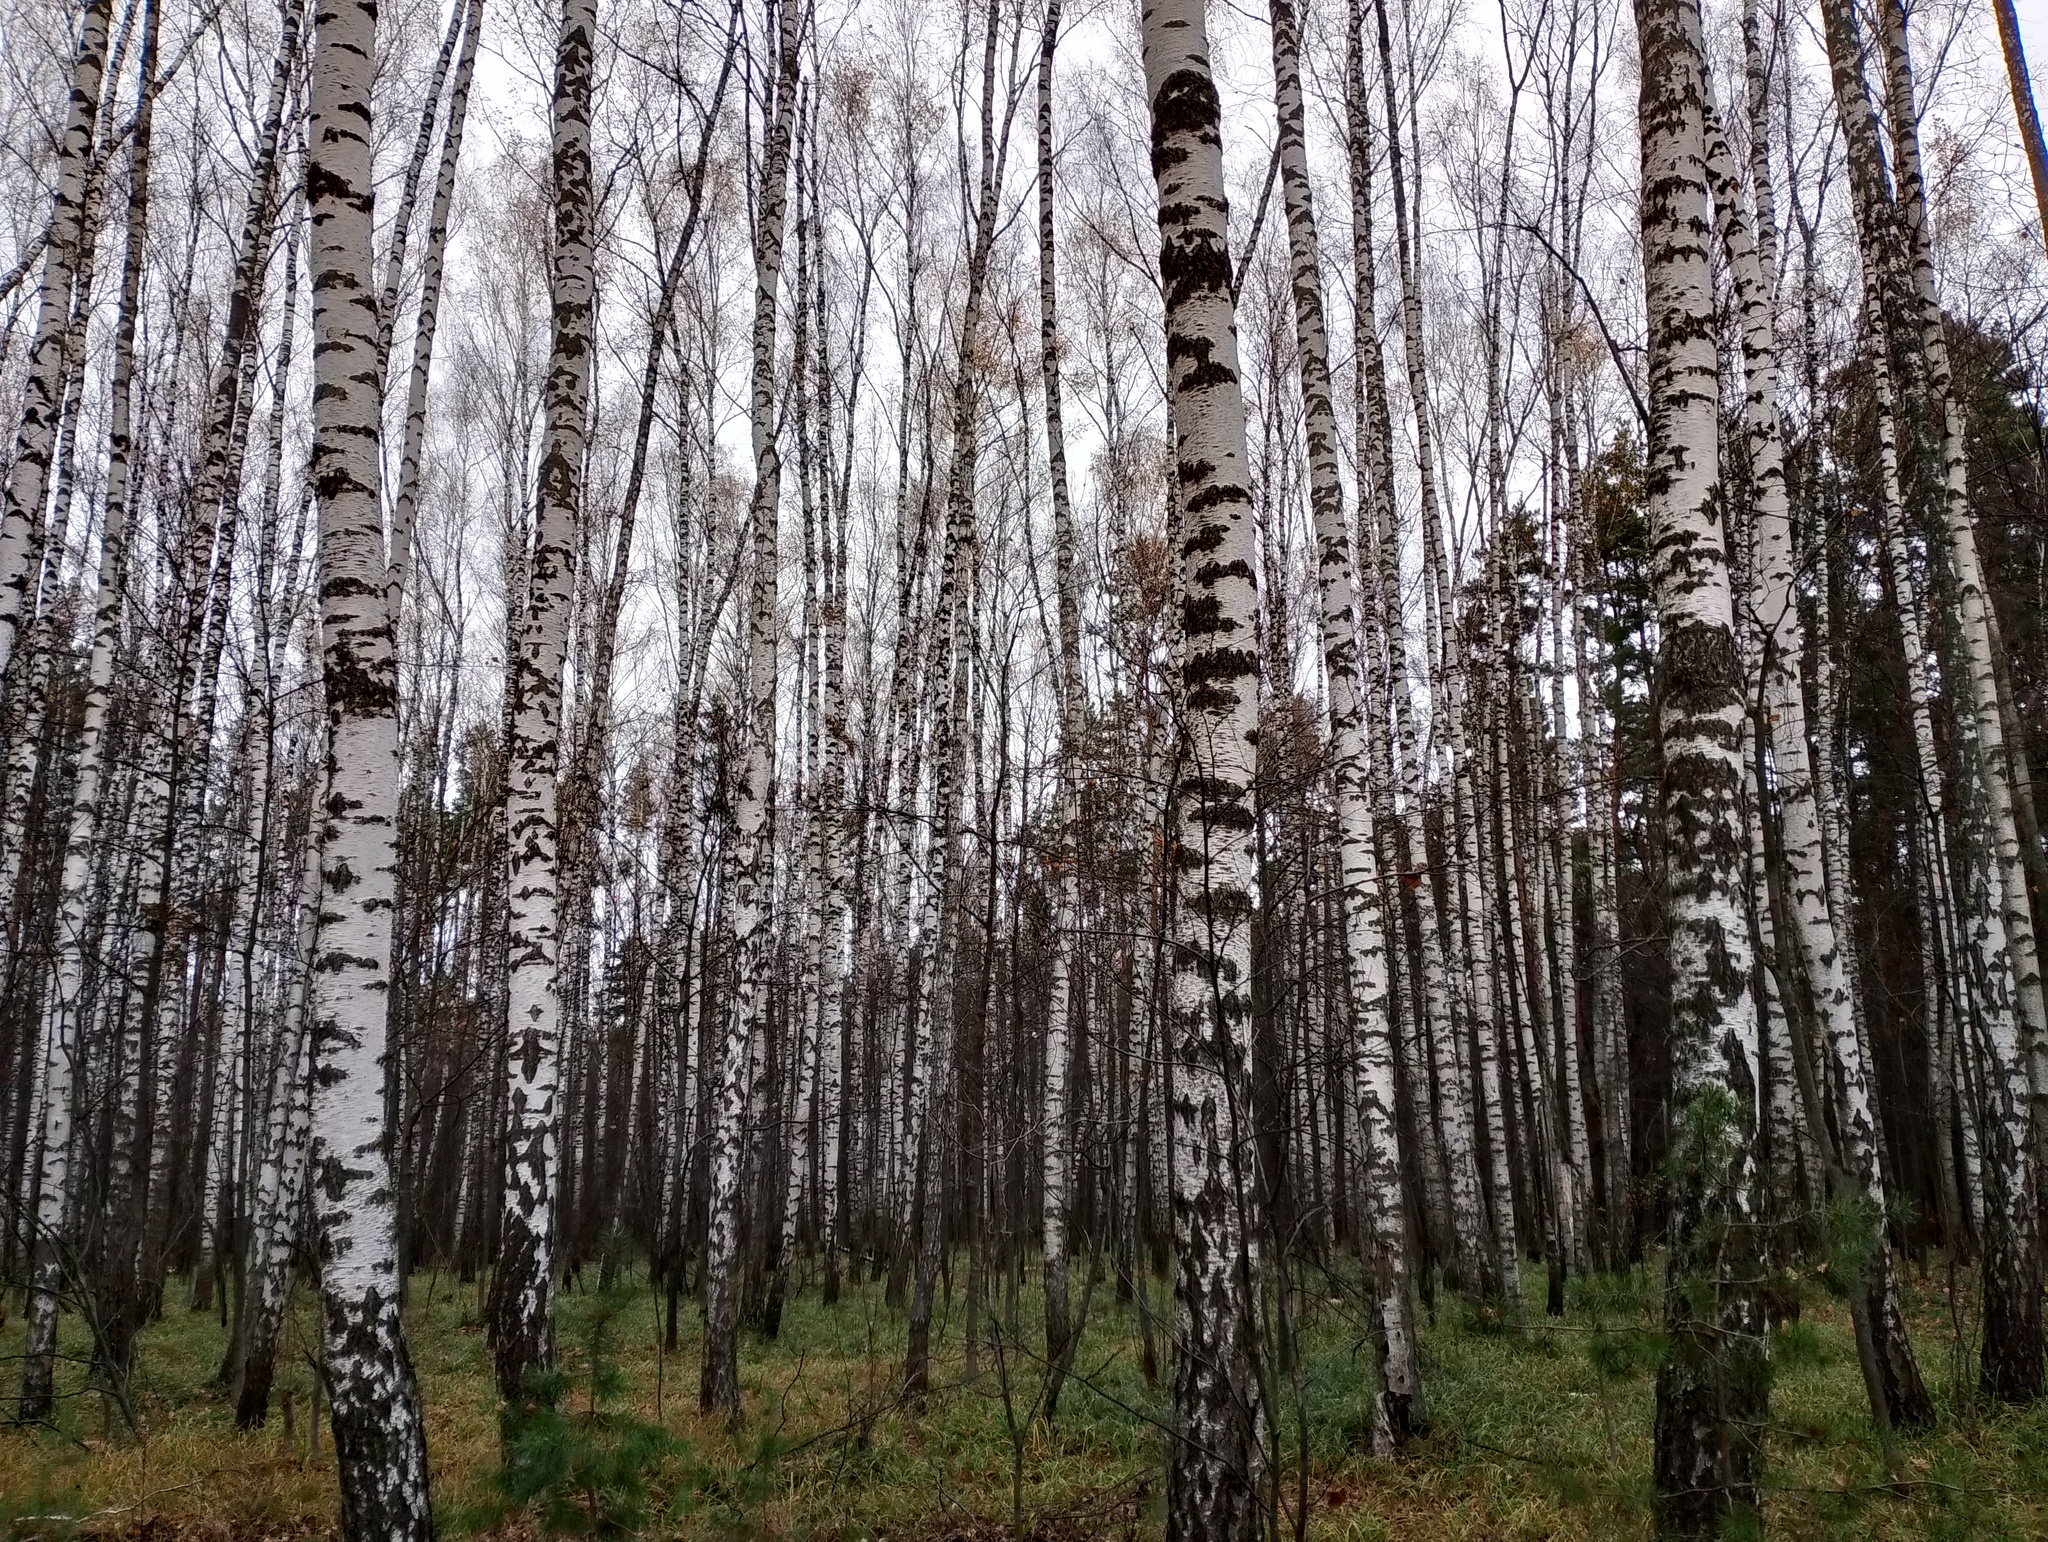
[1898, 273]
[409, 189]
[1386, 625]
[427, 321]
[2023, 109]
[1816, 927]
[379, 1434]
[281, 1184]
[62, 1025]
[199, 595]
[2013, 1369]
[842, 954]
[21, 502]
[1215, 1461]
[1476, 1267]
[1408, 259]
[1360, 893]
[753, 857]
[1712, 1388]
[2007, 797]
[211, 521]
[522, 1288]
[951, 731]
[1058, 1159]
[803, 1067]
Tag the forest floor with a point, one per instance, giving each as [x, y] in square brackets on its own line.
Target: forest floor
[1541, 1432]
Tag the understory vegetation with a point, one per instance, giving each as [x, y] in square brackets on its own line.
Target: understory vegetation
[1536, 1430]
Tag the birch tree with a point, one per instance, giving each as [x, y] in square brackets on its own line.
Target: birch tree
[21, 506]
[374, 1403]
[1215, 1461]
[753, 856]
[523, 1282]
[1360, 895]
[1897, 268]
[1059, 1327]
[1712, 1386]
[1897, 1394]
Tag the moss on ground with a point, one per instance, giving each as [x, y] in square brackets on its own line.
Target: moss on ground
[1536, 1431]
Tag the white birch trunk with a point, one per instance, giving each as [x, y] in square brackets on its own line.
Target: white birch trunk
[753, 859]
[1817, 926]
[1474, 1266]
[2013, 1367]
[1898, 277]
[280, 1185]
[1058, 1158]
[21, 505]
[1361, 893]
[61, 1018]
[952, 731]
[1711, 1391]
[427, 322]
[522, 1286]
[1214, 1465]
[835, 752]
[379, 1435]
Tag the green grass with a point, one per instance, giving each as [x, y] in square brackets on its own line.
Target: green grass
[1536, 1433]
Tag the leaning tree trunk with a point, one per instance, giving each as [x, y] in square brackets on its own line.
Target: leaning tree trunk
[1058, 1161]
[1399, 751]
[21, 504]
[379, 1436]
[1712, 1388]
[1898, 1396]
[1387, 657]
[753, 857]
[2012, 1364]
[1214, 1465]
[409, 189]
[123, 1192]
[1899, 291]
[2023, 108]
[2008, 798]
[522, 1287]
[281, 1179]
[427, 321]
[213, 516]
[75, 884]
[1982, 972]
[198, 595]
